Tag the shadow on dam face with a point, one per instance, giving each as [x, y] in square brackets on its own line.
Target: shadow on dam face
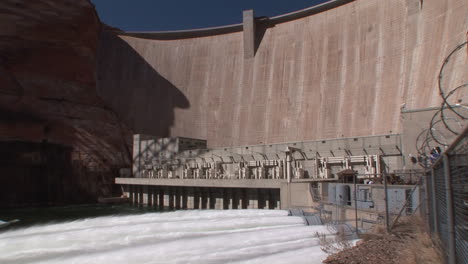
[141, 97]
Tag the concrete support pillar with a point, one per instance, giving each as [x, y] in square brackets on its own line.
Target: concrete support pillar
[155, 196]
[144, 193]
[190, 198]
[201, 199]
[253, 198]
[278, 201]
[166, 197]
[219, 198]
[150, 195]
[249, 33]
[230, 199]
[210, 198]
[126, 191]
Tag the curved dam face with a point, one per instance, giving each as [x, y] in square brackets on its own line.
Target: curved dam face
[344, 72]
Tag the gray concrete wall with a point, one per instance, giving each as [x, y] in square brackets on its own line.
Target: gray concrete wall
[296, 195]
[371, 197]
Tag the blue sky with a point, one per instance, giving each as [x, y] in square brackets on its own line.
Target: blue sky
[152, 15]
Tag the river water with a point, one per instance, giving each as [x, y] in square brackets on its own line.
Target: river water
[193, 236]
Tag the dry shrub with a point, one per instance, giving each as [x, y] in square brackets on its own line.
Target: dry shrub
[418, 245]
[407, 243]
[379, 229]
[333, 244]
[377, 232]
[421, 249]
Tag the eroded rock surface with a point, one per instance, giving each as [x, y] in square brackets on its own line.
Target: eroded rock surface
[48, 101]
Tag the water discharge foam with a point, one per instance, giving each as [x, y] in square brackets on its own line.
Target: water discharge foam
[235, 236]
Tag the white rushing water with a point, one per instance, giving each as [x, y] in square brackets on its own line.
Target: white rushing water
[210, 236]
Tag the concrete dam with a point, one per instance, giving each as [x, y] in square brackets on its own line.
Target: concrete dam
[344, 85]
[274, 112]
[342, 69]
[327, 116]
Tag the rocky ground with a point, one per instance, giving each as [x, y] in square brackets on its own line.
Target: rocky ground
[406, 244]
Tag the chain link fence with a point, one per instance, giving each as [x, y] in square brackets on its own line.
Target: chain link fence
[365, 201]
[447, 187]
[414, 201]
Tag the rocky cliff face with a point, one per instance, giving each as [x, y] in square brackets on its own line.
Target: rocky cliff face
[53, 126]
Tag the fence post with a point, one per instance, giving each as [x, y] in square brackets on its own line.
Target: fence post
[355, 204]
[426, 191]
[450, 216]
[387, 220]
[434, 202]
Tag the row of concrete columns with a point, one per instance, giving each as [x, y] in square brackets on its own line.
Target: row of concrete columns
[174, 197]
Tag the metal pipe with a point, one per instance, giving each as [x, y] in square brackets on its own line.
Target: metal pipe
[450, 213]
[284, 169]
[288, 166]
[377, 165]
